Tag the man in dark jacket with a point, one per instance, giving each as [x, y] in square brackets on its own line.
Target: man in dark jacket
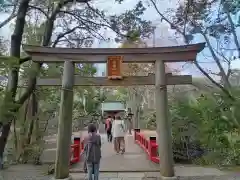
[92, 151]
[108, 128]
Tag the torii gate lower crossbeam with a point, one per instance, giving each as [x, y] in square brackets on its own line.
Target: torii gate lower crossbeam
[133, 55]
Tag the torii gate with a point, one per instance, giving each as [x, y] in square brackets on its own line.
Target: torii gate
[157, 55]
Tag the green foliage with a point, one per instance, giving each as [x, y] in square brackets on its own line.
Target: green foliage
[150, 119]
[210, 121]
[6, 110]
[208, 17]
[130, 26]
[10, 62]
[122, 94]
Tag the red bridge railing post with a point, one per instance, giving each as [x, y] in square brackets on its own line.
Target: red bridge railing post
[135, 132]
[153, 149]
[77, 148]
[150, 145]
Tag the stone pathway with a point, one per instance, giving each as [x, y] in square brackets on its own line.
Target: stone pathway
[134, 159]
[133, 165]
[28, 172]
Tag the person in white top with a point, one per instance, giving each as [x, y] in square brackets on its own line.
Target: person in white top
[118, 133]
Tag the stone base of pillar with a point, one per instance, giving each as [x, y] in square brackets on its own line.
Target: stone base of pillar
[68, 178]
[168, 178]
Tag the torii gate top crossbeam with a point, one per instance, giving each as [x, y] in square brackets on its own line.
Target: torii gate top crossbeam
[99, 55]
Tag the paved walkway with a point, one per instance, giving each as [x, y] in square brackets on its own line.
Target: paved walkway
[134, 159]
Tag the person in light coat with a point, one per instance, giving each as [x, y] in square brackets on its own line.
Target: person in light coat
[118, 133]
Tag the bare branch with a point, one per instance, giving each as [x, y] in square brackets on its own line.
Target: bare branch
[83, 20]
[173, 26]
[66, 40]
[217, 60]
[222, 55]
[64, 34]
[95, 11]
[214, 82]
[39, 9]
[229, 71]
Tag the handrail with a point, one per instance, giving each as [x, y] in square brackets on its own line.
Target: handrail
[150, 145]
[76, 150]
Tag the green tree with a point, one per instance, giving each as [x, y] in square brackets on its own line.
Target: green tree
[197, 17]
[55, 16]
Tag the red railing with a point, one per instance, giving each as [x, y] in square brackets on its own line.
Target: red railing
[149, 145]
[76, 150]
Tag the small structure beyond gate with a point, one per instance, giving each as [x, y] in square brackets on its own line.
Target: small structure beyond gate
[112, 108]
[157, 55]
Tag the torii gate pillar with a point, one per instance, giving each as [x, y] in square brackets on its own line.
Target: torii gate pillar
[163, 124]
[65, 123]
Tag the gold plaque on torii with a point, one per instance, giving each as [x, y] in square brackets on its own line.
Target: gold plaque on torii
[114, 67]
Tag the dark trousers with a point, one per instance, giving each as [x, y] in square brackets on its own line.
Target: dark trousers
[109, 135]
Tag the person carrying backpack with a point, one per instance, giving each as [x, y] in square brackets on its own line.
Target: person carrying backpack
[92, 151]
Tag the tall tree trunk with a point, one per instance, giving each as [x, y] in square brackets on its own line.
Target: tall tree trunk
[22, 131]
[26, 130]
[135, 110]
[33, 117]
[16, 40]
[34, 103]
[46, 41]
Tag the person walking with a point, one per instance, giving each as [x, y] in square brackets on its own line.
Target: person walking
[118, 132]
[108, 128]
[92, 151]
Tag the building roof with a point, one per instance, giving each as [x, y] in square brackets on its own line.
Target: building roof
[113, 106]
